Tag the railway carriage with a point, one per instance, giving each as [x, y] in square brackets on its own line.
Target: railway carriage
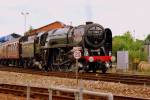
[13, 49]
[10, 52]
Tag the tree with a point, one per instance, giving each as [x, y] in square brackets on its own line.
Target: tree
[122, 42]
[126, 42]
[147, 38]
[30, 30]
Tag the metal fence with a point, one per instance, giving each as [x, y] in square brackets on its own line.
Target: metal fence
[77, 92]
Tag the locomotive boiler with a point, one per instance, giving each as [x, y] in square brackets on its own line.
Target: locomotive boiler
[94, 40]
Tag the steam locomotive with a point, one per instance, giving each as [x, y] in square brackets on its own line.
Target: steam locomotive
[53, 50]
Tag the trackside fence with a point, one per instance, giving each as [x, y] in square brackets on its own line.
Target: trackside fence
[78, 93]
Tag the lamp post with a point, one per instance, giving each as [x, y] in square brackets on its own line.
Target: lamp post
[25, 19]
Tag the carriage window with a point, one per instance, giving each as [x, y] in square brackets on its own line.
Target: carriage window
[15, 46]
[9, 48]
[12, 48]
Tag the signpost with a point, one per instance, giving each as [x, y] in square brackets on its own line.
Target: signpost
[77, 55]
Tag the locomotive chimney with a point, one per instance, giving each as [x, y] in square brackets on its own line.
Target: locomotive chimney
[87, 23]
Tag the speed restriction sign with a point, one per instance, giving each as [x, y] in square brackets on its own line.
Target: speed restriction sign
[77, 54]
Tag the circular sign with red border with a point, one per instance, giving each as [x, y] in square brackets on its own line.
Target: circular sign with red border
[77, 54]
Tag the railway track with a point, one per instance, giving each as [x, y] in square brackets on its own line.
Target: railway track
[43, 94]
[35, 92]
[109, 77]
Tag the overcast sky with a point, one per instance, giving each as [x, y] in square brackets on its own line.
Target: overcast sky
[119, 15]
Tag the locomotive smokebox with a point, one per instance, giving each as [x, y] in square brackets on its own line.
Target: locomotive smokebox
[94, 35]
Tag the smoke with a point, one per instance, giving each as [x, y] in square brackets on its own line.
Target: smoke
[88, 10]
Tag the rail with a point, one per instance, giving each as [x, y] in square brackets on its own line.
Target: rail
[109, 77]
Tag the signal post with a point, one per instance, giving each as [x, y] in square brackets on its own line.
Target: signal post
[77, 56]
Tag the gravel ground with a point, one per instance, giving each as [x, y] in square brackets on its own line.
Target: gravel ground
[47, 81]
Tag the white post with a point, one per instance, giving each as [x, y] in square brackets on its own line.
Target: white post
[50, 93]
[76, 94]
[81, 94]
[77, 71]
[81, 90]
[28, 92]
[110, 96]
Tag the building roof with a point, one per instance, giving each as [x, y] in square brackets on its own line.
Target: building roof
[48, 27]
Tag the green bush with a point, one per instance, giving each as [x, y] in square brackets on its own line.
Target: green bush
[127, 42]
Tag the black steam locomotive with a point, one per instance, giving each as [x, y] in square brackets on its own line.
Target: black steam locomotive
[53, 50]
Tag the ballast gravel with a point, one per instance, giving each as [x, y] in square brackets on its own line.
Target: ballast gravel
[99, 86]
